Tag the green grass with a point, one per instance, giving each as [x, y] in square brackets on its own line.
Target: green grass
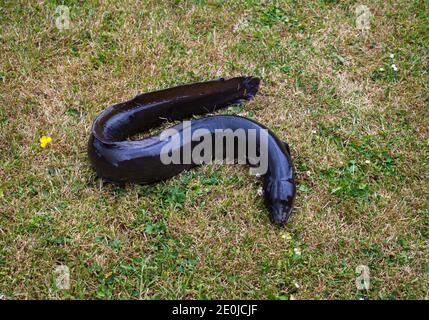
[357, 127]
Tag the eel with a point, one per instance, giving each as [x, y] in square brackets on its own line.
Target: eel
[118, 159]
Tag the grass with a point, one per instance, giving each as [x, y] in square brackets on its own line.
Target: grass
[357, 127]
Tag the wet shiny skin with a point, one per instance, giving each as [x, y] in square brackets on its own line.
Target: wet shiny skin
[118, 160]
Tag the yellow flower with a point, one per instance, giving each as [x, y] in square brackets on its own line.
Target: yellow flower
[44, 140]
[286, 236]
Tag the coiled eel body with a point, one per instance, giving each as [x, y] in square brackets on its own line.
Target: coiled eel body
[119, 160]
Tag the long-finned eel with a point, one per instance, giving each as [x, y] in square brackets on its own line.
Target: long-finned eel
[119, 160]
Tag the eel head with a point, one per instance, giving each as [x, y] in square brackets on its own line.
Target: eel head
[279, 198]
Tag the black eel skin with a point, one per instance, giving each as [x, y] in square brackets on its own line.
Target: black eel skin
[119, 160]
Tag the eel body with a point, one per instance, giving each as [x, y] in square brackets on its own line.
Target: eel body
[120, 160]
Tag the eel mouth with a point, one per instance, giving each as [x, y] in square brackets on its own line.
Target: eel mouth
[280, 214]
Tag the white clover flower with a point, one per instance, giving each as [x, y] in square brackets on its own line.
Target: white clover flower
[392, 56]
[367, 161]
[394, 67]
[297, 251]
[381, 69]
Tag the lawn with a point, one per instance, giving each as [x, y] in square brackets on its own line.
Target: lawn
[351, 102]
